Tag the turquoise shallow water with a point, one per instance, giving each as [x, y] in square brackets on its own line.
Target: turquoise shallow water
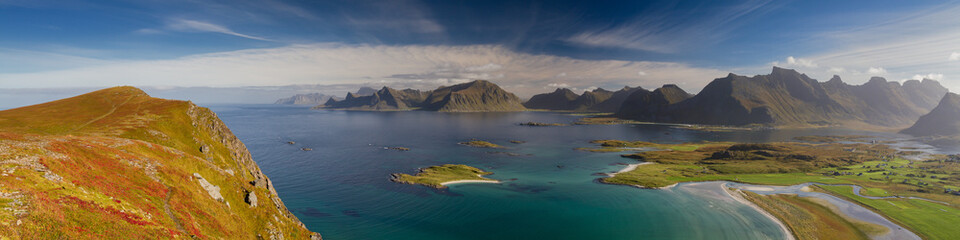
[342, 189]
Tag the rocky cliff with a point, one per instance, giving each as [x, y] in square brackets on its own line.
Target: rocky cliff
[119, 164]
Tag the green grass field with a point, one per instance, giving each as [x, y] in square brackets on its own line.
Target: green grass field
[927, 219]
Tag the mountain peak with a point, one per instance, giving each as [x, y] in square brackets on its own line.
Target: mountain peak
[944, 120]
[783, 71]
[877, 80]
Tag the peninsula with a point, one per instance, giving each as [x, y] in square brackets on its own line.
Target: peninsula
[914, 194]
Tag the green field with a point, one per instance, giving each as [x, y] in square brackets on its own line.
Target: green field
[927, 219]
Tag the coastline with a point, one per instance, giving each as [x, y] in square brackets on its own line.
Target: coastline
[788, 235]
[630, 167]
[468, 181]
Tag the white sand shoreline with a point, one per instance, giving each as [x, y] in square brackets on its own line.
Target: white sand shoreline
[630, 167]
[736, 196]
[470, 181]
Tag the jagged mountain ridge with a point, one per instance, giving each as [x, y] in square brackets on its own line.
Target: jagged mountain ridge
[598, 100]
[786, 97]
[475, 96]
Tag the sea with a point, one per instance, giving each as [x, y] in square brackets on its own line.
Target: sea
[549, 190]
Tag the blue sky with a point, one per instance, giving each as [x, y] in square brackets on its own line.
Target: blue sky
[528, 47]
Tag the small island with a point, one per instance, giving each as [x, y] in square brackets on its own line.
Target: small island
[440, 176]
[481, 144]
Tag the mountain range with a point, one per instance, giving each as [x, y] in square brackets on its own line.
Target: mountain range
[475, 96]
[305, 99]
[598, 100]
[788, 98]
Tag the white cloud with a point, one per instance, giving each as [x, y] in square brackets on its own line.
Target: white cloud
[413, 66]
[186, 25]
[800, 62]
[934, 76]
[641, 73]
[877, 70]
[563, 74]
[955, 56]
[558, 85]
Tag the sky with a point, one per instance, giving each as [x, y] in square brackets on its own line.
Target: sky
[527, 47]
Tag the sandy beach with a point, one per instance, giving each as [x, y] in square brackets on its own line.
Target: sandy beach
[736, 196]
[630, 167]
[469, 181]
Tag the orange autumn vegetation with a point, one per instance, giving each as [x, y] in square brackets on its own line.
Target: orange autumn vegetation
[119, 164]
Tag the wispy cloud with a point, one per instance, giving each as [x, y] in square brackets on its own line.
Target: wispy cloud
[668, 30]
[906, 45]
[911, 45]
[186, 25]
[401, 16]
[397, 66]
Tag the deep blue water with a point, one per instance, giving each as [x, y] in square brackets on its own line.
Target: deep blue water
[342, 189]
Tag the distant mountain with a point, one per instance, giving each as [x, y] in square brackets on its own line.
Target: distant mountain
[304, 99]
[560, 99]
[476, 96]
[653, 106]
[365, 91]
[786, 97]
[613, 103]
[385, 99]
[589, 99]
[598, 100]
[944, 120]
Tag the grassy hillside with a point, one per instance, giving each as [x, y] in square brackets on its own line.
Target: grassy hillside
[119, 164]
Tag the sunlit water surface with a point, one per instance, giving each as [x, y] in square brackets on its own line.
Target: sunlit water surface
[342, 188]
